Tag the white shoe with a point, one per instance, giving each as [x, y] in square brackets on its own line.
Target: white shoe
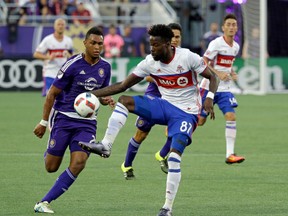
[43, 207]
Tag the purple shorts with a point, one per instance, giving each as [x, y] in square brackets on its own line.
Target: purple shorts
[66, 131]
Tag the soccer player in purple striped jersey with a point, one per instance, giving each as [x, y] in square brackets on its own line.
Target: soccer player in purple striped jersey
[175, 72]
[144, 126]
[81, 73]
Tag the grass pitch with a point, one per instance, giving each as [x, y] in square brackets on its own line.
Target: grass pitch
[208, 186]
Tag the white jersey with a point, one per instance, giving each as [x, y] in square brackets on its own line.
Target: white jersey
[222, 55]
[177, 79]
[59, 48]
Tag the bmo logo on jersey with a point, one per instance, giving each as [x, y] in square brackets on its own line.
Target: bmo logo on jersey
[178, 81]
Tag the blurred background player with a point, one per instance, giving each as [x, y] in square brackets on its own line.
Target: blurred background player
[54, 50]
[221, 54]
[212, 34]
[67, 126]
[144, 126]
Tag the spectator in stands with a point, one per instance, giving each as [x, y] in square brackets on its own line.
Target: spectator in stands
[144, 45]
[210, 35]
[69, 6]
[27, 10]
[44, 11]
[113, 43]
[81, 15]
[128, 49]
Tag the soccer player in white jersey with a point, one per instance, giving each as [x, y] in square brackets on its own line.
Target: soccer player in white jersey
[54, 50]
[144, 126]
[221, 54]
[175, 72]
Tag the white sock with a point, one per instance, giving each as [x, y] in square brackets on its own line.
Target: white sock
[173, 179]
[230, 134]
[115, 123]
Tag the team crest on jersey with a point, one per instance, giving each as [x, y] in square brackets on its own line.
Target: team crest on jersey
[202, 62]
[140, 122]
[60, 74]
[52, 143]
[179, 69]
[101, 72]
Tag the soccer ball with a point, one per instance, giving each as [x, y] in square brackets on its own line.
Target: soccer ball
[86, 104]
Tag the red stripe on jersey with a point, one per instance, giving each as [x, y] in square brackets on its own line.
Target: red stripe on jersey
[225, 61]
[182, 80]
[59, 53]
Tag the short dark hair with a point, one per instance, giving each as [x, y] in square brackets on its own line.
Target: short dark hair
[94, 30]
[161, 30]
[229, 16]
[175, 26]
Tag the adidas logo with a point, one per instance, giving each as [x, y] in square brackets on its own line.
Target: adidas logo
[82, 72]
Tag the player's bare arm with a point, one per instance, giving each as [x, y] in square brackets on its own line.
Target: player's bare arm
[40, 129]
[222, 75]
[213, 85]
[119, 87]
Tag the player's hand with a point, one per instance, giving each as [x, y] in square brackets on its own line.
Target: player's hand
[39, 130]
[224, 76]
[208, 107]
[108, 101]
[234, 76]
[52, 57]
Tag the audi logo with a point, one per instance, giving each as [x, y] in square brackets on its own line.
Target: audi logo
[21, 73]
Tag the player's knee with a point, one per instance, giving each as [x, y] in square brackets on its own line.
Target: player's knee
[230, 116]
[179, 142]
[140, 136]
[77, 167]
[201, 121]
[127, 101]
[51, 168]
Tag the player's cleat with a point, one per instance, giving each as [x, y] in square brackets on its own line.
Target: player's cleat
[233, 158]
[162, 161]
[128, 172]
[43, 207]
[96, 148]
[165, 212]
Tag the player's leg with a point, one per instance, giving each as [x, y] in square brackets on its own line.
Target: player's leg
[138, 105]
[52, 158]
[78, 158]
[181, 133]
[116, 121]
[227, 102]
[143, 129]
[161, 156]
[47, 84]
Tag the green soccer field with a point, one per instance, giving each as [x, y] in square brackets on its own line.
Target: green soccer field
[209, 187]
